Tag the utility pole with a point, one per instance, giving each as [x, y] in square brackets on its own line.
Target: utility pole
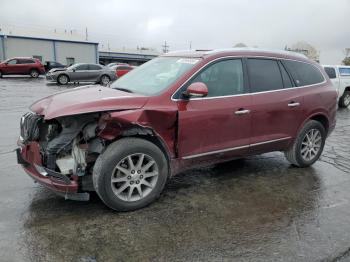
[86, 34]
[190, 45]
[165, 47]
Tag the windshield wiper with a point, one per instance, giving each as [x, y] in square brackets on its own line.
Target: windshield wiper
[123, 89]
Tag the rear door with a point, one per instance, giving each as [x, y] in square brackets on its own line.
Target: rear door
[94, 72]
[25, 65]
[276, 105]
[219, 124]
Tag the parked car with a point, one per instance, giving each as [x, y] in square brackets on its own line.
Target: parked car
[114, 64]
[121, 70]
[177, 111]
[82, 73]
[52, 64]
[22, 66]
[340, 77]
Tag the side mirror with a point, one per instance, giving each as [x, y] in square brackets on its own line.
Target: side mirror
[196, 89]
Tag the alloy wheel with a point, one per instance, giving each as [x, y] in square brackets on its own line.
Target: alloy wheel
[34, 74]
[347, 100]
[311, 144]
[134, 177]
[63, 79]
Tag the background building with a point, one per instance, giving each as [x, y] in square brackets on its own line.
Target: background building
[130, 56]
[45, 49]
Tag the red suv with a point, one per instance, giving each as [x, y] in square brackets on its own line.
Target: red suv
[22, 66]
[178, 111]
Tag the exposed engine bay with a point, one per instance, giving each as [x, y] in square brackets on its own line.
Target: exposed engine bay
[68, 145]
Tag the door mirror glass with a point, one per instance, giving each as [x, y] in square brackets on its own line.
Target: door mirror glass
[196, 89]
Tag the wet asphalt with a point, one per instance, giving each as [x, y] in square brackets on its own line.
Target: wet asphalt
[256, 209]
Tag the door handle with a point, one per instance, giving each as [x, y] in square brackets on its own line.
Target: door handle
[242, 112]
[294, 104]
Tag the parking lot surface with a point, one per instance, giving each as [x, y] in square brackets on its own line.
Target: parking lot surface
[256, 209]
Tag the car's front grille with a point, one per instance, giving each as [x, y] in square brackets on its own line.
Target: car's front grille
[29, 127]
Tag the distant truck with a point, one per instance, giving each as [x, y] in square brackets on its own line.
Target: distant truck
[340, 77]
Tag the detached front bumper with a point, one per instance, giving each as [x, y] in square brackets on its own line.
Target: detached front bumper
[30, 159]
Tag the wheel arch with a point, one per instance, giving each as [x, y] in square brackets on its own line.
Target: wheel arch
[317, 116]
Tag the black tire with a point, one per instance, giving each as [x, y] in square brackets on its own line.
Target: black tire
[34, 73]
[0, 74]
[109, 159]
[103, 82]
[344, 100]
[63, 79]
[294, 155]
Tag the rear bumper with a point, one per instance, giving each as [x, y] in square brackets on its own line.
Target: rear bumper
[29, 157]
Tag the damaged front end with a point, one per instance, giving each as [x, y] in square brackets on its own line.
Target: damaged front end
[60, 153]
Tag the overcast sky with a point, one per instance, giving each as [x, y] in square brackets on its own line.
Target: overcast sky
[207, 24]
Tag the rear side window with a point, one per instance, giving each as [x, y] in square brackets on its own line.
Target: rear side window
[82, 67]
[303, 73]
[95, 67]
[344, 71]
[264, 75]
[222, 78]
[330, 72]
[26, 61]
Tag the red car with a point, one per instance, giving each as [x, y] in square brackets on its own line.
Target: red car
[22, 66]
[122, 69]
[178, 111]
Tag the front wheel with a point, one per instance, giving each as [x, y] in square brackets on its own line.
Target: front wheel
[62, 79]
[308, 146]
[130, 174]
[344, 100]
[34, 73]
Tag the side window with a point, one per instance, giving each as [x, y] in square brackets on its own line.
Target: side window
[303, 73]
[287, 82]
[222, 78]
[12, 62]
[264, 75]
[330, 72]
[95, 67]
[344, 71]
[82, 67]
[26, 61]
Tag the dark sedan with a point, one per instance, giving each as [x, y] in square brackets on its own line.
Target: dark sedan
[82, 73]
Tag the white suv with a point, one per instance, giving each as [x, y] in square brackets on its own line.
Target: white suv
[340, 77]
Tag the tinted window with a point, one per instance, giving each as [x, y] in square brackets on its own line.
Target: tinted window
[264, 75]
[95, 67]
[303, 73]
[287, 82]
[82, 67]
[222, 78]
[25, 61]
[330, 72]
[344, 71]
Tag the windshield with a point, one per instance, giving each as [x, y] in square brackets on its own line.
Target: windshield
[155, 76]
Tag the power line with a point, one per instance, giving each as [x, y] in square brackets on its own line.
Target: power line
[165, 47]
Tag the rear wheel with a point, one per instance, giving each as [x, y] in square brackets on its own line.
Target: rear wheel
[62, 79]
[308, 146]
[344, 100]
[130, 174]
[105, 79]
[34, 73]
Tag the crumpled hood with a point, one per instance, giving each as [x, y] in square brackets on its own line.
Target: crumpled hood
[57, 69]
[87, 99]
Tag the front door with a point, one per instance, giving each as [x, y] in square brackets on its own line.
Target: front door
[13, 67]
[218, 124]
